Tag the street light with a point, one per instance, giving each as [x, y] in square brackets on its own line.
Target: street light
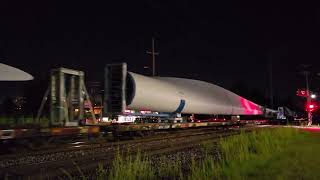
[313, 96]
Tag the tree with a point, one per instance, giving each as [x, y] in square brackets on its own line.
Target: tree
[8, 106]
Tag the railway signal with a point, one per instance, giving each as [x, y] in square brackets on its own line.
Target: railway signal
[311, 107]
[302, 93]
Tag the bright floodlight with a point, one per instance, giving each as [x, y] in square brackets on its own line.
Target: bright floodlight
[9, 73]
[313, 96]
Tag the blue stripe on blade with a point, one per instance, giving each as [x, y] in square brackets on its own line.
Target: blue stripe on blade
[181, 106]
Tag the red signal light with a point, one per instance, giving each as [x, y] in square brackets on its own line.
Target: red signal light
[302, 92]
[311, 107]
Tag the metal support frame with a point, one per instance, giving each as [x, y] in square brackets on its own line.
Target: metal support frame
[114, 90]
[67, 92]
[80, 95]
[71, 99]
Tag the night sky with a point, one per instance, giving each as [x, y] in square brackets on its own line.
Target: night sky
[222, 42]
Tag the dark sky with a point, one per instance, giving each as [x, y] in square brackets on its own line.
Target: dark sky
[222, 42]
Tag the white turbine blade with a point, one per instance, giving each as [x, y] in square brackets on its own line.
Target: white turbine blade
[9, 73]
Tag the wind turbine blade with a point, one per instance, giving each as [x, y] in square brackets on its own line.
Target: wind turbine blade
[9, 73]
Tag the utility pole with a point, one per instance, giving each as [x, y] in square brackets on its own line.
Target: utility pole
[270, 82]
[153, 53]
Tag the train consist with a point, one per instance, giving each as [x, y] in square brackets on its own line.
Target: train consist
[134, 102]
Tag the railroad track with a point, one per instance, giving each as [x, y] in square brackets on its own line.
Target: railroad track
[83, 144]
[36, 164]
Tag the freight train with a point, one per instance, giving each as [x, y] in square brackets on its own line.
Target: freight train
[134, 99]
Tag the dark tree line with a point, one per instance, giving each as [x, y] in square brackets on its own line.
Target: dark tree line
[8, 107]
[27, 102]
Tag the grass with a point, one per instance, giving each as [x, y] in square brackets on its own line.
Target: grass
[140, 167]
[10, 121]
[281, 153]
[169, 170]
[131, 168]
[207, 169]
[268, 154]
[299, 160]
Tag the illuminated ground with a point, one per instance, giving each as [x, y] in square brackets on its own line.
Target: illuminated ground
[300, 160]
